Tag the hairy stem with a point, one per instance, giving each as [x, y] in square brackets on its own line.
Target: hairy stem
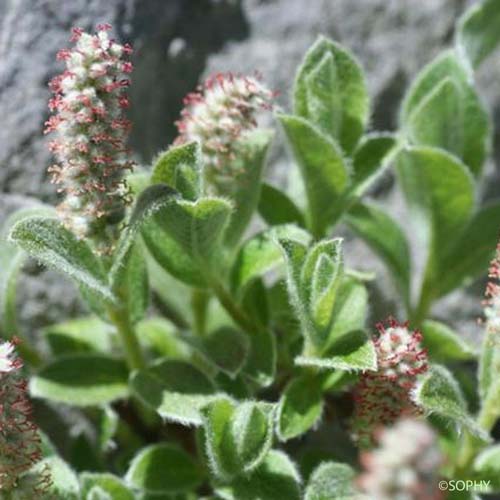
[199, 303]
[128, 338]
[232, 308]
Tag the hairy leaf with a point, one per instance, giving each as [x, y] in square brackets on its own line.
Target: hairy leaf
[472, 252]
[478, 32]
[82, 380]
[238, 436]
[260, 254]
[183, 236]
[80, 335]
[48, 241]
[175, 389]
[107, 483]
[439, 394]
[244, 190]
[443, 344]
[163, 469]
[386, 238]
[370, 160]
[323, 168]
[276, 208]
[476, 123]
[180, 167]
[330, 91]
[276, 477]
[331, 480]
[300, 407]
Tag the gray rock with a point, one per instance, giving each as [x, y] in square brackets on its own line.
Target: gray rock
[175, 42]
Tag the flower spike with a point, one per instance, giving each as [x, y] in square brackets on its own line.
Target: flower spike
[381, 397]
[90, 147]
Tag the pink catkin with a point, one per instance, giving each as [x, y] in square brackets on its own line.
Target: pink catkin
[20, 445]
[91, 132]
[382, 396]
[492, 300]
[405, 463]
[218, 115]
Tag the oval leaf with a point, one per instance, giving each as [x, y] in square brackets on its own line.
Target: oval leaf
[82, 380]
[300, 407]
[162, 469]
[238, 436]
[175, 389]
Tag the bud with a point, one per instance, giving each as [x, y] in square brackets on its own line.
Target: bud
[20, 446]
[382, 396]
[92, 158]
[218, 115]
[405, 464]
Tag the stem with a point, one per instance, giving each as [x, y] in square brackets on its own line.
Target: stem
[486, 419]
[419, 314]
[232, 307]
[199, 303]
[128, 338]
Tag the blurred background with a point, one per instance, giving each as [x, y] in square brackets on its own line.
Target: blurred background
[178, 42]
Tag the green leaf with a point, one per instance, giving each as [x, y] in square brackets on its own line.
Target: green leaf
[48, 241]
[260, 254]
[81, 380]
[370, 159]
[276, 208]
[443, 344]
[163, 469]
[225, 348]
[438, 393]
[244, 189]
[180, 167]
[162, 336]
[439, 119]
[440, 193]
[351, 308]
[323, 168]
[80, 335]
[183, 236]
[472, 252]
[107, 427]
[487, 465]
[330, 91]
[275, 478]
[489, 370]
[476, 122]
[261, 363]
[386, 238]
[314, 277]
[175, 389]
[300, 407]
[64, 482]
[478, 32]
[353, 351]
[107, 483]
[238, 436]
[11, 262]
[331, 480]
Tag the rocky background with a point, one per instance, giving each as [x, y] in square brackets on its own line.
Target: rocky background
[177, 42]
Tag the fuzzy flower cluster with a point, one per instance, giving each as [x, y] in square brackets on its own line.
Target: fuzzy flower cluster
[20, 446]
[405, 464]
[492, 301]
[218, 115]
[382, 396]
[88, 105]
